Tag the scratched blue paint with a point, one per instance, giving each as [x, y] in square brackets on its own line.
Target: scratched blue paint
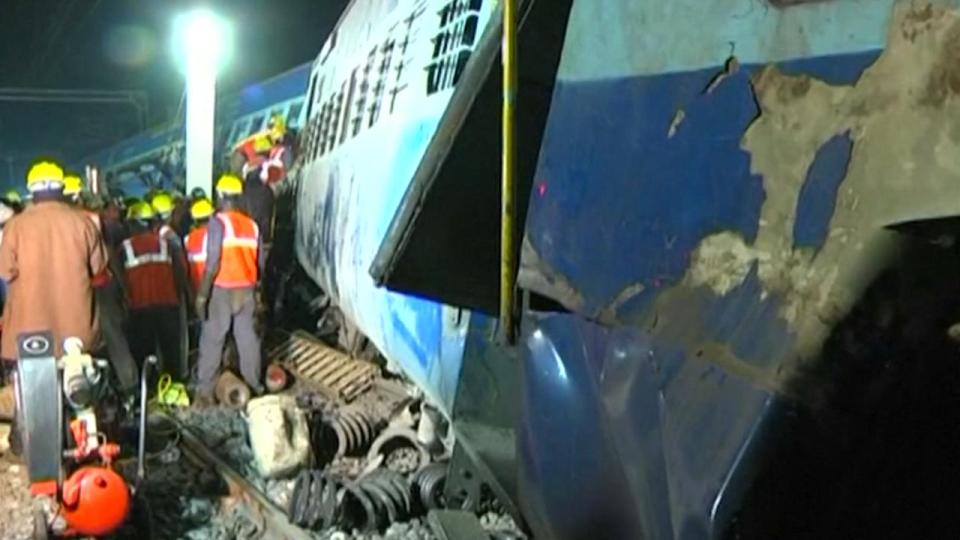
[748, 321]
[625, 203]
[818, 195]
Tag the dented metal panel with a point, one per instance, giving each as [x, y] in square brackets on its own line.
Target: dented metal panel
[713, 199]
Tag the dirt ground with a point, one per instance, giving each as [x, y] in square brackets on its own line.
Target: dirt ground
[15, 503]
[16, 519]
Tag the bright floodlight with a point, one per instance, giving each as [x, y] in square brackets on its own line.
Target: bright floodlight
[201, 43]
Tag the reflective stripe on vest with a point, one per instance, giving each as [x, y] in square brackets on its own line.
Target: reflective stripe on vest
[149, 275]
[197, 254]
[238, 252]
[133, 260]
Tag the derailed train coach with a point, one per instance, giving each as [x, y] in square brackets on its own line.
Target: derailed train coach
[155, 159]
[735, 251]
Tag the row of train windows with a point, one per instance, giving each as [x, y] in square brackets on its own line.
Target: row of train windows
[258, 122]
[359, 101]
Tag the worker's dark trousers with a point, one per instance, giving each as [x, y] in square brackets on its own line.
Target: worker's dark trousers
[118, 349]
[158, 330]
[236, 307]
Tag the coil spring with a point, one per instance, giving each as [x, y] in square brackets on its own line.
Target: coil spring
[314, 501]
[369, 504]
[377, 500]
[353, 431]
[428, 485]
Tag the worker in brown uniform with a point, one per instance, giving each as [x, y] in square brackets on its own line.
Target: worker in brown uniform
[49, 257]
[108, 294]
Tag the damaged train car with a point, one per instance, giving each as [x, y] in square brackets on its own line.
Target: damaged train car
[737, 266]
[738, 257]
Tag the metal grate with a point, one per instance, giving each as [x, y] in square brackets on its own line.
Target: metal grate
[336, 373]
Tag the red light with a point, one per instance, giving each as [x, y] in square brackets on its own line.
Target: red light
[542, 189]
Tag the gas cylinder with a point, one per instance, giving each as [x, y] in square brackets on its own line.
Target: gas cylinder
[96, 501]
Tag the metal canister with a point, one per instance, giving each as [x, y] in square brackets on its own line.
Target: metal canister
[277, 378]
[232, 391]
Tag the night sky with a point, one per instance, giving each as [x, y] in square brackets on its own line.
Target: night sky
[125, 45]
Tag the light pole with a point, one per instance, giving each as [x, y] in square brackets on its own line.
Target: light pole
[201, 43]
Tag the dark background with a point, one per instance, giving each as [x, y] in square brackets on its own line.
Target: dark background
[124, 45]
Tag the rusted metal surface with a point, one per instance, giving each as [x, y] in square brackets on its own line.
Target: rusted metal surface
[706, 260]
[257, 505]
[335, 373]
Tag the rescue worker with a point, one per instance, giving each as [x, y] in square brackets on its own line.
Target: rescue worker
[164, 204]
[12, 199]
[226, 295]
[109, 298]
[196, 243]
[180, 219]
[262, 160]
[153, 291]
[49, 257]
[266, 153]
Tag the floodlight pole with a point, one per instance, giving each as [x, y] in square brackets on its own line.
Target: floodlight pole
[201, 74]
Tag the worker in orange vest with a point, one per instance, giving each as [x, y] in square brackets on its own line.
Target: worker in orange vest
[153, 283]
[227, 293]
[108, 294]
[196, 243]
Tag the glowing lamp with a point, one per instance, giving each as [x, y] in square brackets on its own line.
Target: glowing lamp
[201, 43]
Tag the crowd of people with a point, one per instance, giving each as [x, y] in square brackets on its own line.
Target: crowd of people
[125, 275]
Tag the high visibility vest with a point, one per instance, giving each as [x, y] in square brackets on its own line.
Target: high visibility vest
[273, 169]
[149, 269]
[254, 149]
[239, 251]
[197, 254]
[103, 278]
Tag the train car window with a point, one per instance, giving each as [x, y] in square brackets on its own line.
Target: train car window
[241, 130]
[255, 124]
[453, 44]
[293, 114]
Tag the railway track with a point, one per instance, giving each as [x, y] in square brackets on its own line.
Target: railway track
[269, 519]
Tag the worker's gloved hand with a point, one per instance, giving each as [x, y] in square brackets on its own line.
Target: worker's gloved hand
[200, 304]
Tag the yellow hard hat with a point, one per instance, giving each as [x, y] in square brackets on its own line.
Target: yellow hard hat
[72, 184]
[45, 175]
[201, 209]
[277, 126]
[229, 184]
[140, 210]
[162, 204]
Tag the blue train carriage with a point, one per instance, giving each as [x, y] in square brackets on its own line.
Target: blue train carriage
[376, 95]
[155, 159]
[716, 190]
[713, 198]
